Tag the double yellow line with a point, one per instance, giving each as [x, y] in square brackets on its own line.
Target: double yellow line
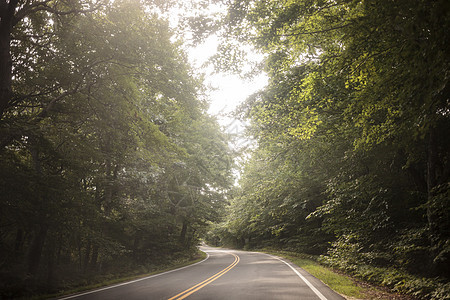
[202, 284]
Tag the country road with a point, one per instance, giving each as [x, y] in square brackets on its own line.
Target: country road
[225, 274]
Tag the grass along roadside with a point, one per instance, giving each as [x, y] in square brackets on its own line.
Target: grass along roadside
[345, 285]
[68, 292]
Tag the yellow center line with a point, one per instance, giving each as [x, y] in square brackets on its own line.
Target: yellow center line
[200, 285]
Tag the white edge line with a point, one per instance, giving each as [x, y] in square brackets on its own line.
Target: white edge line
[133, 281]
[312, 287]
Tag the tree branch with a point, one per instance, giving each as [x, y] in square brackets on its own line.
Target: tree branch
[314, 32]
[43, 6]
[52, 103]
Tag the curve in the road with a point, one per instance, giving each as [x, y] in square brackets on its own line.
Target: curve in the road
[242, 275]
[202, 284]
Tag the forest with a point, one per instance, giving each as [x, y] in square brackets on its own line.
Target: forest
[352, 149]
[111, 164]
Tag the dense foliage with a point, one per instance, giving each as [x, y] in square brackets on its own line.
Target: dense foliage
[108, 160]
[352, 156]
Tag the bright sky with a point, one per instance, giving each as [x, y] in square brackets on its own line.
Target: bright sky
[228, 91]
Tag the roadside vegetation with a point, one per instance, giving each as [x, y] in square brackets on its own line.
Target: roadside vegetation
[340, 283]
[111, 279]
[110, 165]
[351, 154]
[364, 281]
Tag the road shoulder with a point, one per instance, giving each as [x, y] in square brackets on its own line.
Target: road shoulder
[345, 285]
[67, 294]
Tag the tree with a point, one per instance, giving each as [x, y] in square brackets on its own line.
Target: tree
[111, 111]
[360, 86]
[34, 16]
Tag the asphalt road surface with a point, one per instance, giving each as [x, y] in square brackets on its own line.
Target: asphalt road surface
[225, 274]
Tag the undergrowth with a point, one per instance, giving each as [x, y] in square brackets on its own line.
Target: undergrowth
[395, 279]
[337, 282]
[79, 284]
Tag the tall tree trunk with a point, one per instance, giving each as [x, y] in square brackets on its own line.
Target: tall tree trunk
[80, 253]
[59, 252]
[137, 240]
[432, 162]
[87, 256]
[183, 232]
[191, 237]
[51, 264]
[107, 200]
[35, 253]
[418, 177]
[109, 184]
[18, 245]
[7, 11]
[94, 257]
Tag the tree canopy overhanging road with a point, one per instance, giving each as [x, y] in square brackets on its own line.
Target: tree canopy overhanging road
[225, 274]
[111, 166]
